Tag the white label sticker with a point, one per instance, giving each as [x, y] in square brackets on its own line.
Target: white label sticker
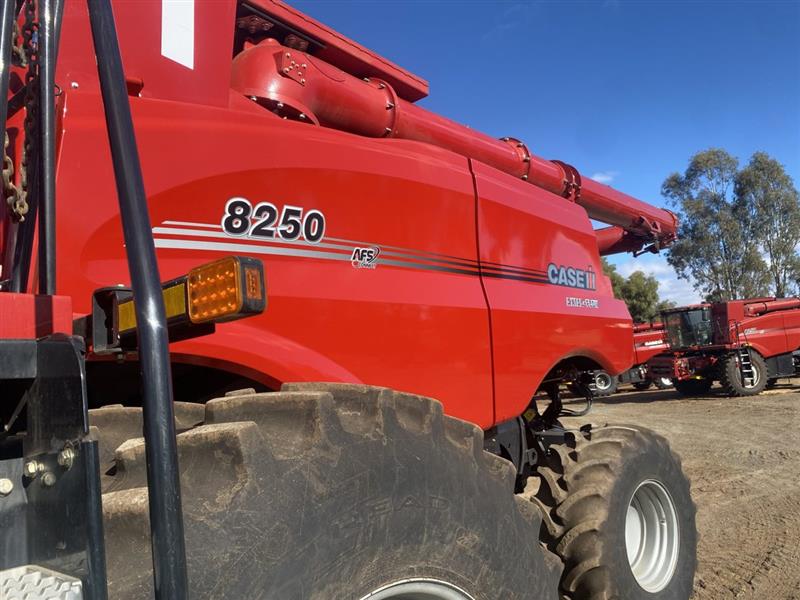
[177, 31]
[574, 302]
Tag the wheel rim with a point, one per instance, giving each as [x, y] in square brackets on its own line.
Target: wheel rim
[602, 381]
[666, 382]
[652, 537]
[419, 589]
[756, 376]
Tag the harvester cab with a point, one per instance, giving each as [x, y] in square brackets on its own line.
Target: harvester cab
[51, 531]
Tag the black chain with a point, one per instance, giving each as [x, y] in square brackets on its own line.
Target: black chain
[18, 55]
[26, 54]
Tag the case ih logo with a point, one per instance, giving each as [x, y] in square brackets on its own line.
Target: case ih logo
[365, 258]
[572, 277]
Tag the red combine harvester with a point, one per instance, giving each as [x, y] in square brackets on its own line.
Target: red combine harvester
[649, 340]
[746, 345]
[401, 249]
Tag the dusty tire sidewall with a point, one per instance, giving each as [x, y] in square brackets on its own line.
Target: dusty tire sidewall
[733, 383]
[354, 513]
[655, 463]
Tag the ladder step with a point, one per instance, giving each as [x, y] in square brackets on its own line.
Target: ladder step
[32, 582]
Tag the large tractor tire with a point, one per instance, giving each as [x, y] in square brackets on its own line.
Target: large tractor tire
[605, 384]
[730, 377]
[693, 387]
[115, 424]
[642, 385]
[334, 492]
[619, 513]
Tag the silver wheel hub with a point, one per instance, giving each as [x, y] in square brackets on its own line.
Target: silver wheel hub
[602, 381]
[419, 589]
[652, 536]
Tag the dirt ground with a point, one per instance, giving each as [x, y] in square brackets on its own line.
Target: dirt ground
[743, 458]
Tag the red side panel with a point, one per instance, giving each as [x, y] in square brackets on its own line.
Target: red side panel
[648, 344]
[791, 323]
[529, 240]
[207, 38]
[417, 321]
[26, 316]
[769, 333]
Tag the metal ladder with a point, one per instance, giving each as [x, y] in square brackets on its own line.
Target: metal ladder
[746, 367]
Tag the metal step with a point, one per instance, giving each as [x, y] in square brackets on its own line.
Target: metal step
[32, 582]
[746, 367]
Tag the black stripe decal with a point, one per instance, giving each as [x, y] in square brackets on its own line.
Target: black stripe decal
[400, 257]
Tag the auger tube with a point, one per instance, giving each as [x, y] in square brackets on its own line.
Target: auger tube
[294, 84]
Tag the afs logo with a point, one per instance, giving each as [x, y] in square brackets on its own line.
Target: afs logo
[365, 258]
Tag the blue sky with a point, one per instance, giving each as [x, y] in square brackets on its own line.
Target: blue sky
[626, 91]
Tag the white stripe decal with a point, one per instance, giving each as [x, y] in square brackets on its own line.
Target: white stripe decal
[249, 248]
[258, 242]
[300, 252]
[177, 31]
[213, 234]
[190, 224]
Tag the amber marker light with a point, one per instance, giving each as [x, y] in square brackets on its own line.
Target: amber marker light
[223, 290]
[226, 289]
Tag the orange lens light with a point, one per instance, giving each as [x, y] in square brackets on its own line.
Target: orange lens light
[215, 290]
[225, 290]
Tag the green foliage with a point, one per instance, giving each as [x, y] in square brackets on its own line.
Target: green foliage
[715, 247]
[766, 195]
[639, 291]
[664, 305]
[617, 280]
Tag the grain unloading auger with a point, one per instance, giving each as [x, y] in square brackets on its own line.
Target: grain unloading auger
[297, 85]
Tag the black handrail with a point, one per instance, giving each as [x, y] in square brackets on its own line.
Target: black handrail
[47, 180]
[166, 518]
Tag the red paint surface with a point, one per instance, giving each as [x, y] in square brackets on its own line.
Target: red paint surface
[649, 340]
[28, 316]
[443, 314]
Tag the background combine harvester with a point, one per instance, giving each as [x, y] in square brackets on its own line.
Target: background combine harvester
[746, 345]
[649, 340]
[401, 249]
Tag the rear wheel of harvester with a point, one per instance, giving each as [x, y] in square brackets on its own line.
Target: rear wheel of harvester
[334, 492]
[114, 424]
[619, 513]
[664, 383]
[642, 385]
[735, 384]
[693, 387]
[605, 384]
